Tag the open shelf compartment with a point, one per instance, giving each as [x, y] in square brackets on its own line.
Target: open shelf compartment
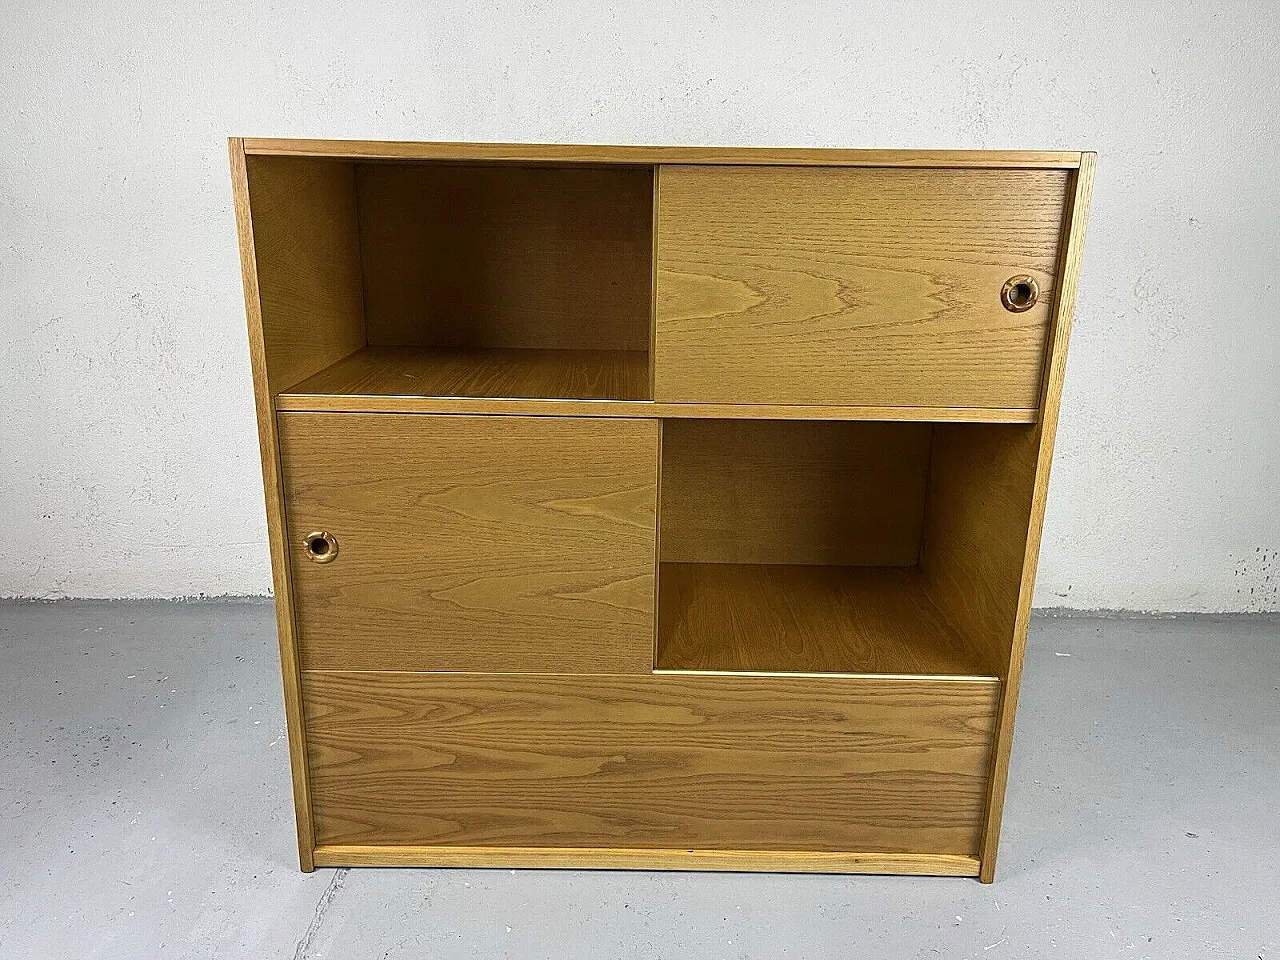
[821, 547]
[431, 279]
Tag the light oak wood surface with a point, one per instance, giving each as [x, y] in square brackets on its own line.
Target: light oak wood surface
[857, 286]
[317, 402]
[307, 264]
[791, 618]
[615, 858]
[479, 369]
[473, 543]
[393, 372]
[506, 256]
[600, 153]
[695, 762]
[769, 491]
[979, 506]
[1064, 312]
[274, 502]
[566, 383]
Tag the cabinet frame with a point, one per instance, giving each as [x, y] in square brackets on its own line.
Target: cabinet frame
[275, 379]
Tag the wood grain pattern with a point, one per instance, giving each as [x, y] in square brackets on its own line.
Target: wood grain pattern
[274, 496]
[1064, 312]
[450, 373]
[307, 259]
[694, 762]
[473, 543]
[805, 619]
[860, 286]
[507, 256]
[622, 858]
[600, 153]
[768, 491]
[981, 481]
[316, 402]
[796, 708]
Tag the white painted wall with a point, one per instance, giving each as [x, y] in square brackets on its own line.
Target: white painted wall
[128, 458]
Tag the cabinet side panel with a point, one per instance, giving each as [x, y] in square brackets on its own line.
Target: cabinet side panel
[981, 480]
[276, 537]
[696, 762]
[1055, 372]
[307, 253]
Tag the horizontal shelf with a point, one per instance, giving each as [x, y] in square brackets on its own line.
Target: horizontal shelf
[788, 619]
[592, 383]
[386, 373]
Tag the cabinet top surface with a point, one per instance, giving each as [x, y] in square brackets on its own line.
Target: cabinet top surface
[599, 153]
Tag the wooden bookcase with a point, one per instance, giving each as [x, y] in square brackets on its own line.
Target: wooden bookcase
[654, 506]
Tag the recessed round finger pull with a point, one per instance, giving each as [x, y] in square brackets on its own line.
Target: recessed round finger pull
[320, 546]
[1020, 293]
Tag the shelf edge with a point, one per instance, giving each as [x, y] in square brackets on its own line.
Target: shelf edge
[477, 406]
[627, 858]
[655, 154]
[812, 675]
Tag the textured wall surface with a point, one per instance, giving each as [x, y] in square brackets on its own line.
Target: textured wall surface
[128, 457]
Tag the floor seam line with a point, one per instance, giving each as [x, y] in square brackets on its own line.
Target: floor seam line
[322, 907]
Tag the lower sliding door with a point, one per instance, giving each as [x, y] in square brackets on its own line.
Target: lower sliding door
[476, 543]
[668, 762]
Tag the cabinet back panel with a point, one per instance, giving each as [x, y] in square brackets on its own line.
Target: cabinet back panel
[792, 491]
[507, 256]
[982, 483]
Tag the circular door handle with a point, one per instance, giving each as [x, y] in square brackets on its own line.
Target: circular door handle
[321, 546]
[1020, 293]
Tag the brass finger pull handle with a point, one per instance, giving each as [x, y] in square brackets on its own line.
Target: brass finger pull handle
[320, 546]
[1020, 293]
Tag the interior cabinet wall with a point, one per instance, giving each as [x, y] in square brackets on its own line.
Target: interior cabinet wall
[306, 253]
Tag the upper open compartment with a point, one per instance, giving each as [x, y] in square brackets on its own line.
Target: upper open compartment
[469, 280]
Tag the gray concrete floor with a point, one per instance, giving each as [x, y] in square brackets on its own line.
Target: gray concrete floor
[145, 812]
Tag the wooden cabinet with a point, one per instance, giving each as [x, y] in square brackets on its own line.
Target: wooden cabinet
[654, 507]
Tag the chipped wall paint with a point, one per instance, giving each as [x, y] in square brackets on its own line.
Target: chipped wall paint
[128, 461]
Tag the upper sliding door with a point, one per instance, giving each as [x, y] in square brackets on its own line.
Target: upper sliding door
[855, 285]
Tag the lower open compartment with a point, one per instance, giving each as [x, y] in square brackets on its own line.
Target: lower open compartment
[823, 547]
[796, 618]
